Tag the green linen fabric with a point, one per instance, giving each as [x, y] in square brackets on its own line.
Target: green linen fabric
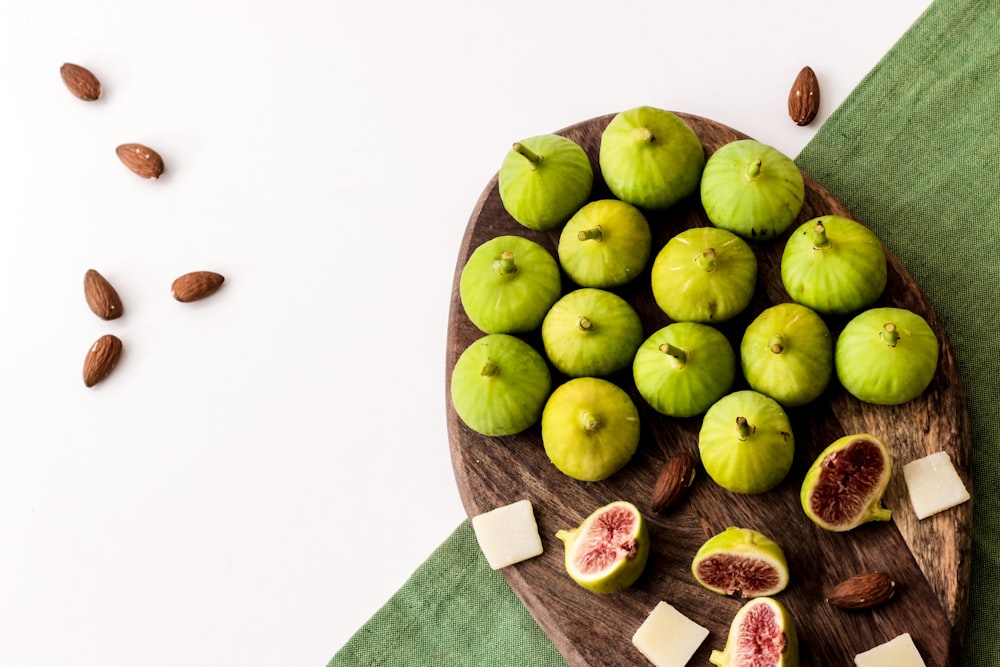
[914, 153]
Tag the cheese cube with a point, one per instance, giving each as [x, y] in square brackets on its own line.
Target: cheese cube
[899, 652]
[934, 484]
[667, 637]
[508, 534]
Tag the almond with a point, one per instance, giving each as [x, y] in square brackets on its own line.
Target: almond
[862, 591]
[81, 82]
[196, 285]
[674, 480]
[102, 298]
[803, 98]
[142, 160]
[101, 359]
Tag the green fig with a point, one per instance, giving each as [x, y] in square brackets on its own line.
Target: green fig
[591, 332]
[762, 634]
[605, 244]
[746, 442]
[704, 274]
[499, 385]
[543, 180]
[608, 551]
[752, 189]
[651, 158]
[843, 488]
[683, 368]
[834, 265]
[787, 354]
[508, 285]
[741, 562]
[886, 356]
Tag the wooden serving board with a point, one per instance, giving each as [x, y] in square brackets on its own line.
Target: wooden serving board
[929, 559]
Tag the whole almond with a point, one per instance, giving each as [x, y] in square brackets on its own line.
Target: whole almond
[102, 298]
[142, 160]
[675, 478]
[862, 591]
[101, 359]
[803, 98]
[81, 82]
[196, 285]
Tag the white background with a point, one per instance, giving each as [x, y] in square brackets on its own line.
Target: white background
[266, 467]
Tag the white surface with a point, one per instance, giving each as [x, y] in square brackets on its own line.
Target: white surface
[667, 637]
[265, 468]
[508, 534]
[933, 484]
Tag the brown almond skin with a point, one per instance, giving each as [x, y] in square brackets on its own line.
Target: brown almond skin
[81, 82]
[675, 478]
[862, 591]
[142, 160]
[101, 296]
[101, 359]
[803, 98]
[196, 285]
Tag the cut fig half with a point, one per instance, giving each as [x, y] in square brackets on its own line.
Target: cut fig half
[609, 550]
[741, 562]
[845, 484]
[762, 634]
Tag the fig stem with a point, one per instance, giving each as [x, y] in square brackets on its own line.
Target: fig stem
[753, 170]
[819, 236]
[744, 428]
[679, 355]
[534, 158]
[490, 369]
[505, 265]
[642, 135]
[776, 344]
[589, 421]
[592, 234]
[889, 334]
[880, 513]
[585, 324]
[706, 260]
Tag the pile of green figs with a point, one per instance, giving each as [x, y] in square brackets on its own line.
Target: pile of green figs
[560, 343]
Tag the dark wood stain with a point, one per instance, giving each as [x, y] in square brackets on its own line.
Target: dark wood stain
[930, 559]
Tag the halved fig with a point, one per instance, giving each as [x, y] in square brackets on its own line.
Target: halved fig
[845, 484]
[742, 563]
[762, 634]
[608, 551]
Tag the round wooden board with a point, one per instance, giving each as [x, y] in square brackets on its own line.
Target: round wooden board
[929, 559]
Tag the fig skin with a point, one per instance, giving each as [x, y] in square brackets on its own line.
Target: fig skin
[746, 546]
[632, 555]
[787, 354]
[499, 385]
[591, 332]
[760, 610]
[821, 484]
[752, 190]
[590, 428]
[886, 356]
[605, 244]
[704, 274]
[543, 180]
[683, 368]
[834, 265]
[508, 284]
[746, 442]
[650, 158]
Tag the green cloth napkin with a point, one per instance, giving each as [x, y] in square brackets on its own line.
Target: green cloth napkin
[914, 152]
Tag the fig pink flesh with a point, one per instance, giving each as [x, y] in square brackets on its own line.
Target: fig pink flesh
[846, 481]
[761, 640]
[738, 575]
[608, 539]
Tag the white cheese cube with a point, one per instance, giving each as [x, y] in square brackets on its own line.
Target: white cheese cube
[668, 638]
[934, 484]
[898, 652]
[508, 534]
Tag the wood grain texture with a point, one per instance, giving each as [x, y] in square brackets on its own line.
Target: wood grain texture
[929, 559]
